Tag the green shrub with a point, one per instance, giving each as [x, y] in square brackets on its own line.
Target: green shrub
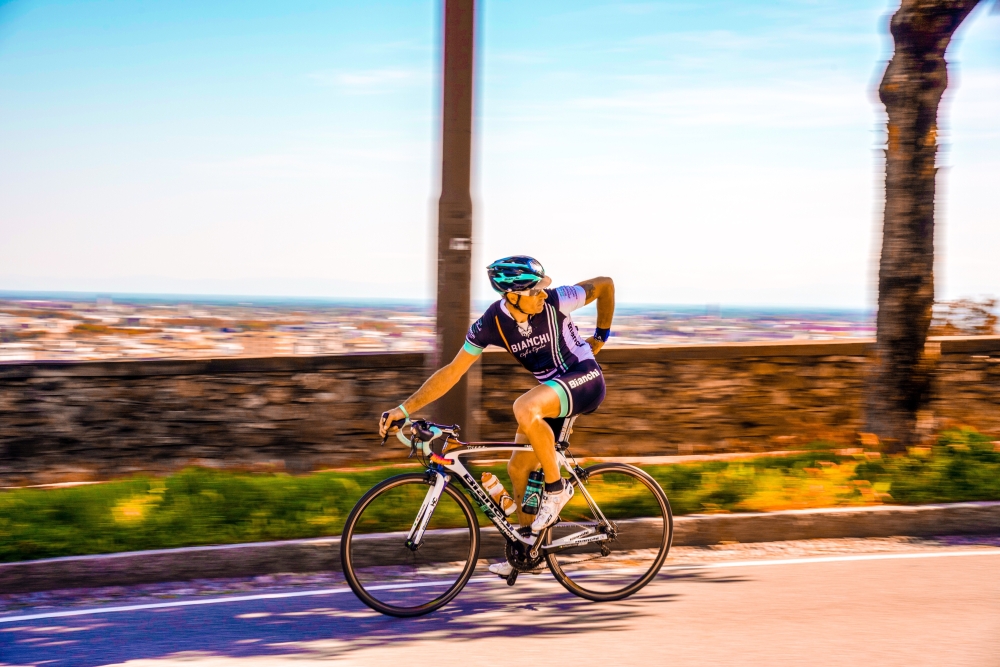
[963, 465]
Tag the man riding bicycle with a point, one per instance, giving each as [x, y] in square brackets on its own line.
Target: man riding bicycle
[534, 325]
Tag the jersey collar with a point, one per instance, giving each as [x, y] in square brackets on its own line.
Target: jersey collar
[503, 307]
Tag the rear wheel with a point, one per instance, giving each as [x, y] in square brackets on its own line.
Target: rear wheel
[636, 514]
[389, 576]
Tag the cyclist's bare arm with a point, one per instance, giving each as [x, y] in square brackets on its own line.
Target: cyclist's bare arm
[436, 386]
[601, 288]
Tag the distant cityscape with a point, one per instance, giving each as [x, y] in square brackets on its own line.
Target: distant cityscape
[51, 326]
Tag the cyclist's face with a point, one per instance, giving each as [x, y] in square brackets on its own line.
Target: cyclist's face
[532, 305]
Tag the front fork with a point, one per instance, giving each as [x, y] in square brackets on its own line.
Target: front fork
[423, 518]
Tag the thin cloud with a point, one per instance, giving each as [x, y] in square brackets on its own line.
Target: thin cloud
[332, 162]
[522, 57]
[729, 40]
[768, 106]
[372, 81]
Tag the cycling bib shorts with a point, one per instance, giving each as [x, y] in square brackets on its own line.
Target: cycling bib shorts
[581, 389]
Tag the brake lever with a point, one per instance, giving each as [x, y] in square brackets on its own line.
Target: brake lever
[399, 423]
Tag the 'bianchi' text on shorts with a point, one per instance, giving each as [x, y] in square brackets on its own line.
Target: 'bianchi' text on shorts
[583, 379]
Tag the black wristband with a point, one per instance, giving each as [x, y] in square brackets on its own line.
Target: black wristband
[602, 334]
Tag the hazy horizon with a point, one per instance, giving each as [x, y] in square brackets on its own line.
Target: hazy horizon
[291, 300]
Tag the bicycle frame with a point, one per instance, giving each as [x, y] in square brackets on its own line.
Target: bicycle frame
[445, 466]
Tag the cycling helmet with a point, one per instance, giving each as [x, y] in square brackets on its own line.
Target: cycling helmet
[516, 274]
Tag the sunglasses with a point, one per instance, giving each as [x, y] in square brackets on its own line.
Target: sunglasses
[530, 292]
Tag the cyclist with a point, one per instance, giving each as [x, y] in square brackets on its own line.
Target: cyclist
[533, 324]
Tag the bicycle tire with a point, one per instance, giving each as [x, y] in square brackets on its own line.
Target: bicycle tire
[636, 535]
[352, 547]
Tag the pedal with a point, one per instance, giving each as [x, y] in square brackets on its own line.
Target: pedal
[512, 577]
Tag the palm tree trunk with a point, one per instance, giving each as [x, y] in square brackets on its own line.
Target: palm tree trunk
[911, 91]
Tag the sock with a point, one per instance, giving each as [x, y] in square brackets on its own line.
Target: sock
[554, 487]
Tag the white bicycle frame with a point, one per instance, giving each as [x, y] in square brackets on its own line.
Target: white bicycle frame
[450, 462]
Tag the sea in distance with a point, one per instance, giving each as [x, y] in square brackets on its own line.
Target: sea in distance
[101, 325]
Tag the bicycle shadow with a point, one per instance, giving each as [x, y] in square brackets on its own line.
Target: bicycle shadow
[333, 627]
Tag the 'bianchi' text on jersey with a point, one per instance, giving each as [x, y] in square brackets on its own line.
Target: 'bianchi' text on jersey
[548, 345]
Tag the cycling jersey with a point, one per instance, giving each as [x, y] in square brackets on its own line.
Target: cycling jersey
[548, 344]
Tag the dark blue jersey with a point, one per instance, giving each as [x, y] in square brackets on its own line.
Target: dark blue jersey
[548, 344]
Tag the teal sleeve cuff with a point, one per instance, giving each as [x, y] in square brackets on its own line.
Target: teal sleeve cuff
[472, 349]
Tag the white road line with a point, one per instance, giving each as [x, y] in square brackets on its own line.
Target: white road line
[842, 559]
[235, 598]
[167, 605]
[383, 587]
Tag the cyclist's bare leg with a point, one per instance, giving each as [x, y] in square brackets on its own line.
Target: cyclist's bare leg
[519, 467]
[530, 410]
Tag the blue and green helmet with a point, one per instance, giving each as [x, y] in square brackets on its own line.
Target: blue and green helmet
[516, 274]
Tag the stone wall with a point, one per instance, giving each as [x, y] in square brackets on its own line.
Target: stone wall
[748, 396]
[69, 421]
[76, 421]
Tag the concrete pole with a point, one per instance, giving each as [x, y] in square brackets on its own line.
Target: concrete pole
[455, 205]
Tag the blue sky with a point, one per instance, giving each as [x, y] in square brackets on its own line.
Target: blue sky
[709, 152]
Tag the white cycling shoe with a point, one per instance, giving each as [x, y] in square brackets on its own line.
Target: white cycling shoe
[504, 569]
[552, 504]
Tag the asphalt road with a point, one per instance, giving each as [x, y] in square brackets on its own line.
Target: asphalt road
[940, 608]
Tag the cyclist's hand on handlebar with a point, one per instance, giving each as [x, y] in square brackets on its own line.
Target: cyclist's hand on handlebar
[389, 421]
[595, 345]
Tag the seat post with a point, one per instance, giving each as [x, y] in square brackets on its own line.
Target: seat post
[565, 431]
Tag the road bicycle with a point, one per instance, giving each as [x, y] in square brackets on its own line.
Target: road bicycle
[412, 542]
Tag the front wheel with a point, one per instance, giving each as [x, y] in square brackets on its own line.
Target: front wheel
[404, 580]
[630, 507]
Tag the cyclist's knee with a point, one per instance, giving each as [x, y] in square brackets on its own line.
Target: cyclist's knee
[526, 411]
